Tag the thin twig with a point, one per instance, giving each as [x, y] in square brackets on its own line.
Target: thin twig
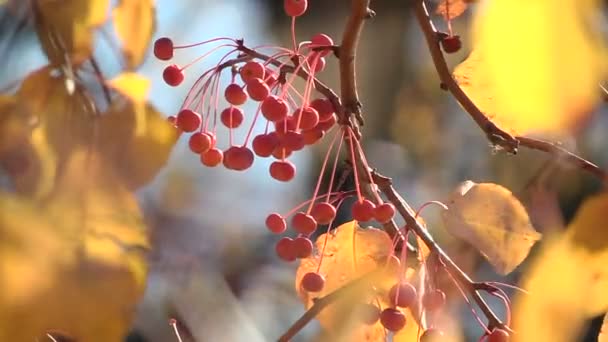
[496, 135]
[385, 185]
[359, 284]
[561, 153]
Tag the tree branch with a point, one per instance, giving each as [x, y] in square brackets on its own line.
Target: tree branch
[495, 135]
[385, 185]
[364, 282]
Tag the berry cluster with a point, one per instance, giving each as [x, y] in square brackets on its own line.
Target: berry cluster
[294, 119]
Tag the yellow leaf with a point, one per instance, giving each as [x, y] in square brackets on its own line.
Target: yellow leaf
[66, 26]
[136, 142]
[536, 65]
[568, 281]
[349, 253]
[134, 22]
[491, 219]
[588, 234]
[553, 309]
[75, 263]
[135, 87]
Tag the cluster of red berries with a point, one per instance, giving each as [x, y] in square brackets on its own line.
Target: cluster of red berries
[290, 126]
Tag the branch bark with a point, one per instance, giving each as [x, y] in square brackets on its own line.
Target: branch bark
[496, 135]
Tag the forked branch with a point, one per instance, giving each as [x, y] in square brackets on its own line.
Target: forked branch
[496, 136]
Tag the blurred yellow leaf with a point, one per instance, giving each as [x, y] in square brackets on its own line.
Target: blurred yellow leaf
[48, 120]
[135, 23]
[134, 86]
[73, 264]
[136, 140]
[588, 234]
[536, 65]
[490, 218]
[553, 309]
[349, 253]
[65, 27]
[568, 281]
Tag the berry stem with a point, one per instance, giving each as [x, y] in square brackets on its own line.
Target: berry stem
[204, 42]
[466, 299]
[255, 119]
[322, 172]
[173, 324]
[335, 166]
[327, 236]
[352, 156]
[293, 35]
[206, 54]
[426, 204]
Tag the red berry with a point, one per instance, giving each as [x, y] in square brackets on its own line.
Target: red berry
[281, 153]
[232, 117]
[285, 125]
[451, 44]
[251, 70]
[200, 142]
[317, 62]
[293, 141]
[257, 89]
[403, 295]
[313, 282]
[188, 120]
[432, 335]
[303, 223]
[303, 247]
[369, 313]
[264, 144]
[163, 48]
[276, 223]
[238, 158]
[235, 95]
[321, 39]
[392, 319]
[274, 108]
[173, 75]
[327, 124]
[212, 158]
[433, 300]
[363, 210]
[384, 212]
[307, 117]
[324, 108]
[282, 170]
[295, 8]
[285, 249]
[498, 335]
[323, 212]
[312, 136]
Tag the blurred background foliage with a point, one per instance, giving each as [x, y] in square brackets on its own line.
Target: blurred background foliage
[89, 206]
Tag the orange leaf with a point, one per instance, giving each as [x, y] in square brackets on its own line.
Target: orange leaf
[451, 9]
[350, 253]
[136, 140]
[134, 23]
[135, 87]
[66, 26]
